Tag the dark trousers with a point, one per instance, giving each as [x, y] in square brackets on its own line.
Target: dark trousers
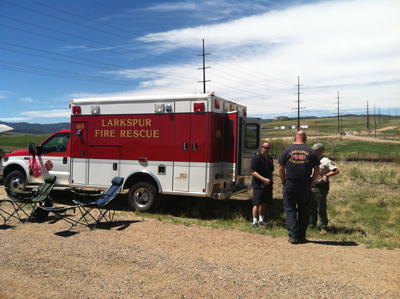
[296, 201]
[318, 208]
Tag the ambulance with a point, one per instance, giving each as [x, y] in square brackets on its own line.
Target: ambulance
[190, 145]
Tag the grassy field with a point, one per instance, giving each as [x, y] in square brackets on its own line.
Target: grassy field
[11, 141]
[329, 126]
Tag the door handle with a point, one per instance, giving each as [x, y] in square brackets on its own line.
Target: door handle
[65, 160]
[195, 146]
[82, 153]
[185, 146]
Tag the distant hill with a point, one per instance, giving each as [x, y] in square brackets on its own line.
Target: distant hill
[28, 128]
[334, 116]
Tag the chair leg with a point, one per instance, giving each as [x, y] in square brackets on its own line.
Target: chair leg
[103, 215]
[34, 207]
[84, 212]
[6, 218]
[19, 207]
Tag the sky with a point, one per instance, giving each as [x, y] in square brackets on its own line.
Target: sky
[324, 57]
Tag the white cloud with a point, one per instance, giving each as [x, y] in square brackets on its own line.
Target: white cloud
[48, 113]
[4, 94]
[15, 119]
[27, 100]
[351, 46]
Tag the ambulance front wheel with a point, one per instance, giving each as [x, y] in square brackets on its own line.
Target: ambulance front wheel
[143, 197]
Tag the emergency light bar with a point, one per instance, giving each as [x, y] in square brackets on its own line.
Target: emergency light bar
[76, 110]
[199, 107]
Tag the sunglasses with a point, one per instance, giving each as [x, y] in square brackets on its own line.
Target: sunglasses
[267, 147]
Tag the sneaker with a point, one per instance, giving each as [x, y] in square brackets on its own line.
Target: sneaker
[323, 232]
[263, 223]
[255, 225]
[293, 241]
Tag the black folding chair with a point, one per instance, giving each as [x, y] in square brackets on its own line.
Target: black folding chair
[21, 199]
[99, 202]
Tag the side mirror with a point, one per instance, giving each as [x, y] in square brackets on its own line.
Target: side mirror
[39, 150]
[31, 148]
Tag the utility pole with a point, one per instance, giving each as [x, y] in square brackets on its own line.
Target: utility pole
[389, 115]
[298, 103]
[204, 69]
[367, 118]
[338, 112]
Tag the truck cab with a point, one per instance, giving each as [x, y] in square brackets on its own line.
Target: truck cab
[52, 158]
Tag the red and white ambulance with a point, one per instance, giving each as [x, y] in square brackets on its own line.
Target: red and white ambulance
[192, 145]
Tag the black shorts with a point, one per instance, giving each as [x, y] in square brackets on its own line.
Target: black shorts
[263, 195]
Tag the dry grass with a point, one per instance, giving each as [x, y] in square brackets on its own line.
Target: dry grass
[363, 204]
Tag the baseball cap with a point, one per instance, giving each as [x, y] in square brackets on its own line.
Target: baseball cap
[318, 146]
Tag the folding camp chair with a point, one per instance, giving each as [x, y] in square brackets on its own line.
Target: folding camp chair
[100, 202]
[35, 198]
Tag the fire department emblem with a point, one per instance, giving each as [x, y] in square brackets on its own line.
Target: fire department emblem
[48, 165]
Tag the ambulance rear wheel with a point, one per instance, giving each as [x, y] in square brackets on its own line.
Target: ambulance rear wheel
[143, 197]
[15, 180]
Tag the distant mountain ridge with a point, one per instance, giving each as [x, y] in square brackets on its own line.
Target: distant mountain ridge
[28, 128]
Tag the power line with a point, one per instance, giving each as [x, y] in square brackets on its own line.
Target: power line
[82, 59]
[100, 23]
[91, 40]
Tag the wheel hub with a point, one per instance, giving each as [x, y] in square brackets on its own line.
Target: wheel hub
[142, 196]
[16, 184]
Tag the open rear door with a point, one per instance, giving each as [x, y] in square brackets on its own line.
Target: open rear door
[249, 143]
[231, 144]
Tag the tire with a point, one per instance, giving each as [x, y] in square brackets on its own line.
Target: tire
[143, 197]
[15, 181]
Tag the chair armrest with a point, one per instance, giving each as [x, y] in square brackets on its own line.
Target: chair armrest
[18, 194]
[86, 194]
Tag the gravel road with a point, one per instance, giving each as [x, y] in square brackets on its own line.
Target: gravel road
[146, 258]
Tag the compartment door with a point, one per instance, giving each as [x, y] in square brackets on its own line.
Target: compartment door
[181, 146]
[103, 164]
[190, 146]
[79, 165]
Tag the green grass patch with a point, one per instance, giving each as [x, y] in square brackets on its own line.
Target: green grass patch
[359, 149]
[13, 142]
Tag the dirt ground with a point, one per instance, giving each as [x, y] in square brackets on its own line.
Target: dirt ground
[146, 258]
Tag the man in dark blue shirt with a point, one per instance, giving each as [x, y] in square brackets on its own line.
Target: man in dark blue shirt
[262, 167]
[295, 168]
